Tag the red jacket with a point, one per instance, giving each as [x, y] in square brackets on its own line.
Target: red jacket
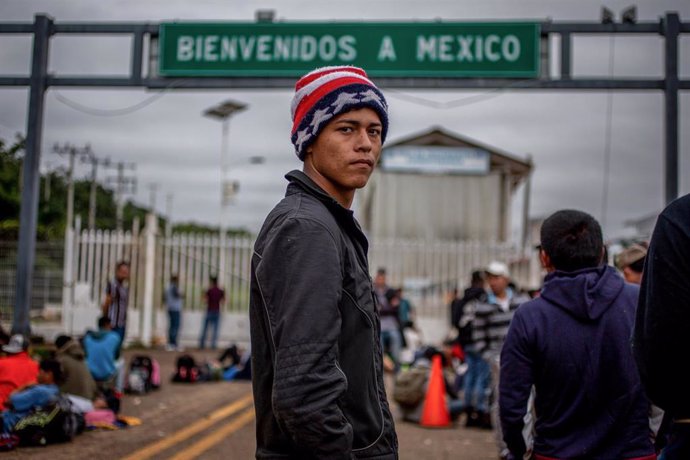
[16, 371]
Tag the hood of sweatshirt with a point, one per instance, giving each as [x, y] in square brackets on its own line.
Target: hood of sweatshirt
[73, 349]
[586, 294]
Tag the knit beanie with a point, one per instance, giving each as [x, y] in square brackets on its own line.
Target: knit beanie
[329, 91]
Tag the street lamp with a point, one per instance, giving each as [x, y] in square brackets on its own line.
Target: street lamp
[223, 112]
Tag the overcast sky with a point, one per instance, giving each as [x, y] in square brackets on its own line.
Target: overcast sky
[174, 146]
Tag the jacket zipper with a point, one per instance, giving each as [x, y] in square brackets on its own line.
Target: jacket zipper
[376, 375]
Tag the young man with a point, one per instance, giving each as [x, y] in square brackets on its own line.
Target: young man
[173, 300]
[663, 319]
[116, 300]
[214, 297]
[77, 379]
[22, 401]
[391, 338]
[573, 345]
[317, 363]
[493, 319]
[102, 352]
[631, 262]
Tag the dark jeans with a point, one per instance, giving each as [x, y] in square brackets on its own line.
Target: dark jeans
[173, 326]
[476, 381]
[212, 319]
[678, 446]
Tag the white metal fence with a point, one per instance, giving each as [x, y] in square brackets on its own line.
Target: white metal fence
[427, 270]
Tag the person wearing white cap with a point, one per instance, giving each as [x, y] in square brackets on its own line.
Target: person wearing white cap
[496, 315]
[17, 369]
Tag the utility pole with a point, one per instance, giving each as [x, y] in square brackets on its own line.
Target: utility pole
[153, 190]
[122, 184]
[168, 214]
[95, 162]
[72, 151]
[223, 112]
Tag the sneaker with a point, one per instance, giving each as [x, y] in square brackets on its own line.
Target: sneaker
[169, 347]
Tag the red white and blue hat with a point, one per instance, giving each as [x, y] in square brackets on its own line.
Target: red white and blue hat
[329, 91]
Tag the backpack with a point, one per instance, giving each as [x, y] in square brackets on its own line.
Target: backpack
[52, 423]
[186, 370]
[409, 387]
[8, 442]
[144, 375]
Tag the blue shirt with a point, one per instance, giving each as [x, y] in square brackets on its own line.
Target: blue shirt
[173, 299]
[101, 349]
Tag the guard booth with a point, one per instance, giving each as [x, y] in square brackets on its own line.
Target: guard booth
[442, 186]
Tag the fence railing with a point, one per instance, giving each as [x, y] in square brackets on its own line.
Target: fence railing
[429, 270]
[426, 270]
[47, 276]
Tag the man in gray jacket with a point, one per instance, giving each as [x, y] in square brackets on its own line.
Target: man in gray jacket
[316, 355]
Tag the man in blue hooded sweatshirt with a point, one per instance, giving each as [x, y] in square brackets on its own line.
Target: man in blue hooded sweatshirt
[572, 344]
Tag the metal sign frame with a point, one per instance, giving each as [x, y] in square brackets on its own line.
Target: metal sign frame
[384, 49]
[44, 28]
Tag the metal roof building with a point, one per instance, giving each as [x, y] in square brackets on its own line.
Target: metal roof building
[438, 185]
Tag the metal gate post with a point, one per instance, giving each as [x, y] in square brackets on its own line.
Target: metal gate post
[31, 175]
[671, 30]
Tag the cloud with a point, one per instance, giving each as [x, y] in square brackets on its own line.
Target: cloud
[175, 146]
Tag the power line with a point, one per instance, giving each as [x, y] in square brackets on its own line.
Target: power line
[455, 103]
[98, 112]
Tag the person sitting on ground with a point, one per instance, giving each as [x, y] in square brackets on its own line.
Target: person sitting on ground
[410, 386]
[102, 351]
[22, 401]
[240, 363]
[17, 369]
[77, 379]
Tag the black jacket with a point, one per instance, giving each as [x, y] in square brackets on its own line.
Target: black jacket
[663, 314]
[316, 355]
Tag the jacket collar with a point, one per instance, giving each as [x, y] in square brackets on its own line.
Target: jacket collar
[300, 182]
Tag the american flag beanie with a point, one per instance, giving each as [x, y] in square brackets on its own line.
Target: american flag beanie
[329, 91]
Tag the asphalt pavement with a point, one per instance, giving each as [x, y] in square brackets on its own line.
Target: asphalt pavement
[215, 420]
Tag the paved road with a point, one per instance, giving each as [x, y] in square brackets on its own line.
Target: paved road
[216, 421]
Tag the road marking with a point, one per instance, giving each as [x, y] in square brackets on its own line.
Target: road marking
[180, 435]
[198, 448]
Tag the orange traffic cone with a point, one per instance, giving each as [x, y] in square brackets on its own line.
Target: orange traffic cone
[435, 412]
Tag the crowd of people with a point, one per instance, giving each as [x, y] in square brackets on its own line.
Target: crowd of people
[552, 371]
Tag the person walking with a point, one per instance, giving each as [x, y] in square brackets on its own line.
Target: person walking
[572, 346]
[214, 297]
[173, 300]
[317, 371]
[661, 326]
[117, 300]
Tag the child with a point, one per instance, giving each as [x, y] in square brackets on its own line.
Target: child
[21, 401]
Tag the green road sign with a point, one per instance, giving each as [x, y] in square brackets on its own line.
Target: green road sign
[415, 49]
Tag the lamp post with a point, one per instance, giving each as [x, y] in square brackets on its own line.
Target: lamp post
[223, 112]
